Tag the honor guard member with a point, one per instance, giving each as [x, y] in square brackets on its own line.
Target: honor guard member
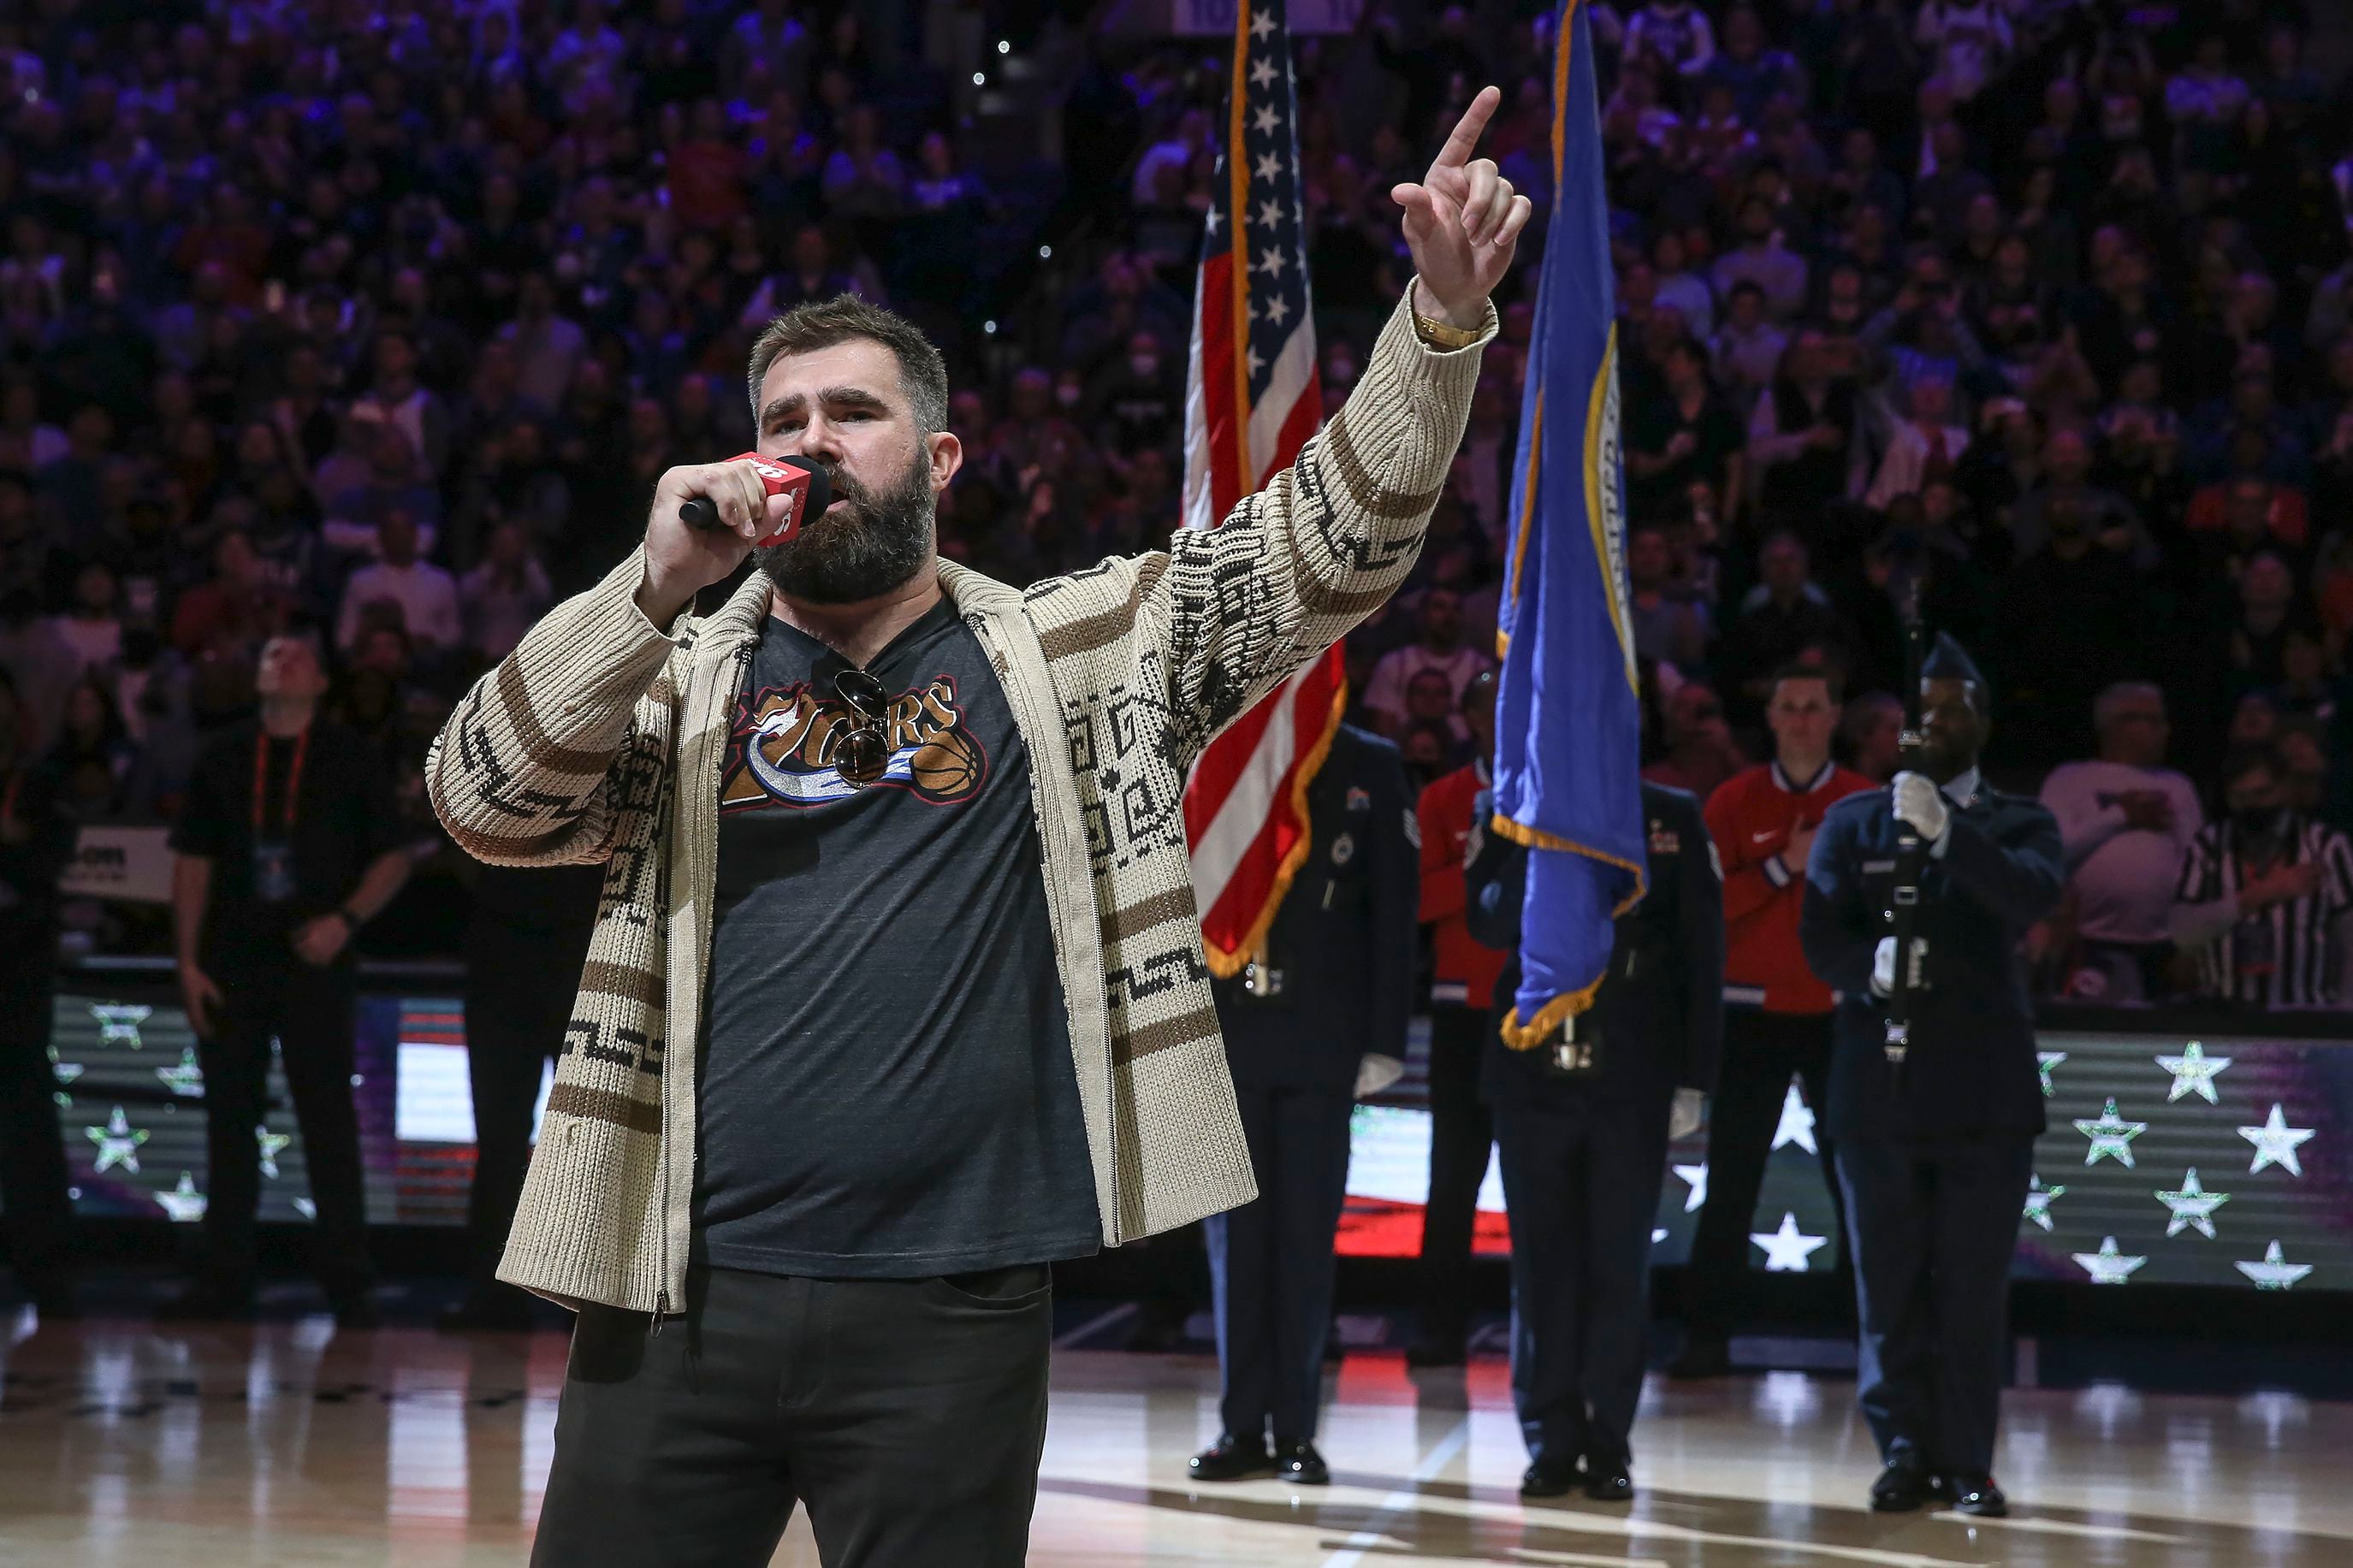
[1581, 1130]
[1933, 1157]
[1317, 1020]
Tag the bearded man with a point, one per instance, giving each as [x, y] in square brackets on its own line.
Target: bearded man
[897, 993]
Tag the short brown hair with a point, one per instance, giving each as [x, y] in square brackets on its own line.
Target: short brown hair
[820, 324]
[1833, 681]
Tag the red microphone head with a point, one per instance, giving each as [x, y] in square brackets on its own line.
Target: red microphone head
[803, 481]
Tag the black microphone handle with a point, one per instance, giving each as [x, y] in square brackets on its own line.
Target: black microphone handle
[696, 511]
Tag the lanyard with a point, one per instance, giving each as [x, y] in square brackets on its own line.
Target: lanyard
[293, 778]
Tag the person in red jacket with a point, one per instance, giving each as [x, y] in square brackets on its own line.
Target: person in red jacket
[1463, 982]
[1776, 1016]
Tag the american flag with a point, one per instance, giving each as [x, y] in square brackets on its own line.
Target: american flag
[1250, 401]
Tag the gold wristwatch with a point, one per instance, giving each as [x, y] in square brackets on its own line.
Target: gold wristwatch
[1441, 336]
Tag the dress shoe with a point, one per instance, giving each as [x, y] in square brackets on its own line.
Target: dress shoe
[1902, 1488]
[1700, 1360]
[1436, 1350]
[1977, 1494]
[1229, 1458]
[1607, 1482]
[1301, 1465]
[1548, 1477]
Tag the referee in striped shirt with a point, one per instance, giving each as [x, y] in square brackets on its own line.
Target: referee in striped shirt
[2263, 888]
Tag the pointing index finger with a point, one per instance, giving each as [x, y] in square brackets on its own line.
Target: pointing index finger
[1468, 129]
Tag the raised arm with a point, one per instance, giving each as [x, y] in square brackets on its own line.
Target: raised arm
[1235, 609]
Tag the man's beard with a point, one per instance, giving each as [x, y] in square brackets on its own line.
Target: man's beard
[873, 543]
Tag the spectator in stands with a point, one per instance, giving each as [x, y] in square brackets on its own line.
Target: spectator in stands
[1438, 645]
[1782, 618]
[2071, 618]
[2126, 820]
[1700, 750]
[90, 633]
[1797, 435]
[2262, 889]
[1763, 258]
[1873, 728]
[422, 594]
[1683, 437]
[1748, 348]
[1924, 448]
[1667, 629]
[501, 597]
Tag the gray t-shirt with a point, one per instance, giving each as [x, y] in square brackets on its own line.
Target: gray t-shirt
[886, 1087]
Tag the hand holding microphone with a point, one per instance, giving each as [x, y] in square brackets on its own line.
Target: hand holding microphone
[706, 517]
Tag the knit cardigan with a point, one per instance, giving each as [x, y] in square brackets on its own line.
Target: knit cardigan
[600, 740]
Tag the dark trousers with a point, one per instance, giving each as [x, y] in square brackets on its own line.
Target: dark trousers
[1761, 1051]
[1581, 1182]
[1461, 1135]
[519, 998]
[907, 1414]
[33, 1179]
[1271, 1263]
[308, 1011]
[1934, 1226]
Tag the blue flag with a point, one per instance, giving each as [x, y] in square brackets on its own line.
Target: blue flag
[1568, 711]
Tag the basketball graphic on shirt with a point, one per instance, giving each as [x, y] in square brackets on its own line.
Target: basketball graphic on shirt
[946, 767]
[786, 740]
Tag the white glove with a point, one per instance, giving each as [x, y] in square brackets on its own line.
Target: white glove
[1883, 965]
[1919, 802]
[1375, 1073]
[1684, 1115]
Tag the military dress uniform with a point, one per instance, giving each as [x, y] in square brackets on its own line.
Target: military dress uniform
[1334, 983]
[1581, 1131]
[1935, 1163]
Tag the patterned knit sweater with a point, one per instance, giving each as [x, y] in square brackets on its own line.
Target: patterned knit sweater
[600, 740]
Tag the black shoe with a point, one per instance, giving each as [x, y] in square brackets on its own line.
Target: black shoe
[1977, 1494]
[208, 1301]
[1301, 1465]
[1902, 1488]
[1548, 1477]
[1607, 1482]
[1436, 1350]
[1229, 1458]
[487, 1312]
[1700, 1360]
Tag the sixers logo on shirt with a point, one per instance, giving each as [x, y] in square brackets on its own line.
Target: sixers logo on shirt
[783, 749]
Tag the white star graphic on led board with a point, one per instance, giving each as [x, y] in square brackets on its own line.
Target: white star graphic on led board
[1788, 1249]
[2276, 1142]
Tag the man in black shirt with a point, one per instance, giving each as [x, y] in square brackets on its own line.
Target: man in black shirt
[287, 845]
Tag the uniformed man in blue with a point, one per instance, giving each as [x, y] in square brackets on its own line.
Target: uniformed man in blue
[1581, 1133]
[1934, 1159]
[1318, 1017]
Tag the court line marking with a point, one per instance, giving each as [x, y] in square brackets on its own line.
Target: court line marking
[1087, 1330]
[1406, 1499]
[2029, 1522]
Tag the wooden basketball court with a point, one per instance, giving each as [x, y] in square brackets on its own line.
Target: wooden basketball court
[124, 1444]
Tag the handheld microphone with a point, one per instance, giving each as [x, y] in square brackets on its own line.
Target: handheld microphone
[805, 482]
